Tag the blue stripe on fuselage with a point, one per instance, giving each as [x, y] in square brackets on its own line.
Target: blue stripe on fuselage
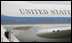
[9, 19]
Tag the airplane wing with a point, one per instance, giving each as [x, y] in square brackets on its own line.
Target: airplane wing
[54, 33]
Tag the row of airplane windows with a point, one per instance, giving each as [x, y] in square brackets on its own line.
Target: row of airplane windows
[16, 20]
[9, 20]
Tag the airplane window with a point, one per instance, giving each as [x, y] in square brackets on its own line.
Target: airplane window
[14, 20]
[7, 20]
[11, 20]
[2, 20]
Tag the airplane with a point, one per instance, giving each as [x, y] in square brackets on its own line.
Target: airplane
[20, 14]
